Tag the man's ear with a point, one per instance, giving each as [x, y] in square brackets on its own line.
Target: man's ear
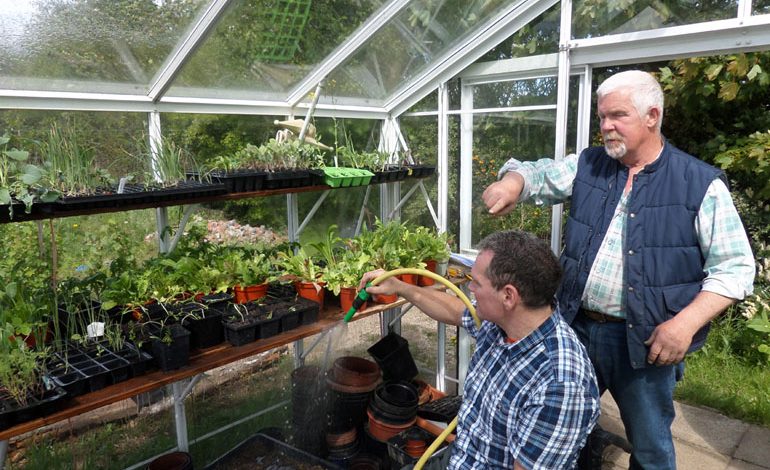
[653, 116]
[510, 296]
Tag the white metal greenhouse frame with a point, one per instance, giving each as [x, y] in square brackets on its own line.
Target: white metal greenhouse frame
[576, 57]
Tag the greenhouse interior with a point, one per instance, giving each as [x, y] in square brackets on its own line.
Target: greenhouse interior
[164, 160]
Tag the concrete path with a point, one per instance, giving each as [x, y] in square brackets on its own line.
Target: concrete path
[704, 440]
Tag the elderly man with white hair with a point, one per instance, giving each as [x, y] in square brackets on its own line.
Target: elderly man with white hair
[654, 250]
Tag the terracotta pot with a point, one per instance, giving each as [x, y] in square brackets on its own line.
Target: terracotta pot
[415, 447]
[384, 431]
[341, 439]
[249, 293]
[355, 371]
[347, 296]
[409, 278]
[384, 299]
[312, 291]
[430, 265]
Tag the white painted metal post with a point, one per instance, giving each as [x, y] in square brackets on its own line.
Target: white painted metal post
[180, 391]
[466, 166]
[161, 213]
[389, 196]
[443, 216]
[562, 109]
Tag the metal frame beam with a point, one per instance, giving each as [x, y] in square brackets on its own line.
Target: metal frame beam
[510, 20]
[710, 38]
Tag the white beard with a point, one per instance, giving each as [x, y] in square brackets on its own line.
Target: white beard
[616, 150]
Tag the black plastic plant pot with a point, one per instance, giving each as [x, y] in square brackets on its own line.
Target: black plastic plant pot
[392, 355]
[240, 181]
[218, 299]
[239, 331]
[174, 354]
[308, 311]
[207, 331]
[118, 369]
[288, 179]
[71, 380]
[138, 360]
[280, 291]
[397, 446]
[12, 413]
[267, 327]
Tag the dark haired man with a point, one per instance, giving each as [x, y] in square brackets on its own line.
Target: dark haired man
[530, 396]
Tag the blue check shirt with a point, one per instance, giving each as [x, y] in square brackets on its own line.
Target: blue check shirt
[533, 401]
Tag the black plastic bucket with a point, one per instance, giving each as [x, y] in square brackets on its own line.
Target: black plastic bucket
[392, 355]
[172, 461]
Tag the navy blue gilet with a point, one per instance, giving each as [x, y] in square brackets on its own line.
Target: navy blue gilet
[663, 260]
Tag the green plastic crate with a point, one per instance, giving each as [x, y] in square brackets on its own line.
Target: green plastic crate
[337, 177]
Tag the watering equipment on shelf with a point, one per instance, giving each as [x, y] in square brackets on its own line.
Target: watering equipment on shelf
[363, 296]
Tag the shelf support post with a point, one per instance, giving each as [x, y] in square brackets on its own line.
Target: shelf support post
[3, 453]
[181, 389]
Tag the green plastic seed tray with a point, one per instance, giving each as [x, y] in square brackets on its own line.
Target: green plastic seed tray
[344, 177]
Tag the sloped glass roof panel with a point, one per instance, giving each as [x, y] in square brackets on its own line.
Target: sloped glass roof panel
[400, 51]
[260, 49]
[89, 45]
[591, 18]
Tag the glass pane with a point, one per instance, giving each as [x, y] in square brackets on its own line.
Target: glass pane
[593, 18]
[80, 45]
[407, 45]
[497, 137]
[761, 7]
[112, 138]
[261, 48]
[541, 36]
[420, 133]
[533, 92]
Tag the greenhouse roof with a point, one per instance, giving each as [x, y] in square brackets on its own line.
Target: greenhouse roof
[371, 57]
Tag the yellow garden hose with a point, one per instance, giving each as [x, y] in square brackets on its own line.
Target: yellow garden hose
[363, 296]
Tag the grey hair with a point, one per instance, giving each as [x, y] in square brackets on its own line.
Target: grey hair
[644, 89]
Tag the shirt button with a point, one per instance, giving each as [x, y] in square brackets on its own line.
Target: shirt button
[630, 326]
[630, 252]
[630, 289]
[632, 215]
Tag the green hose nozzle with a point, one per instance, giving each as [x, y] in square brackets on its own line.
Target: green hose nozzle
[360, 299]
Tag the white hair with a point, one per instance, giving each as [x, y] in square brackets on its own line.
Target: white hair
[644, 89]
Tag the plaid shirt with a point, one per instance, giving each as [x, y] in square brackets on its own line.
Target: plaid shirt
[533, 401]
[729, 262]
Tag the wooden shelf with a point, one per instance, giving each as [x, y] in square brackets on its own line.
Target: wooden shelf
[200, 361]
[22, 217]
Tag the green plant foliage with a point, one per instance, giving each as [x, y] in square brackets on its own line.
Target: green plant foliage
[21, 368]
[20, 180]
[71, 166]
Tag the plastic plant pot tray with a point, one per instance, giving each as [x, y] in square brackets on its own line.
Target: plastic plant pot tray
[337, 177]
[269, 453]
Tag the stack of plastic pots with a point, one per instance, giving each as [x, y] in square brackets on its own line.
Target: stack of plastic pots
[392, 410]
[351, 382]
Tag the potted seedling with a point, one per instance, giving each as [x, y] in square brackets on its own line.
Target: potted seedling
[307, 274]
[248, 274]
[23, 392]
[344, 267]
[20, 180]
[71, 166]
